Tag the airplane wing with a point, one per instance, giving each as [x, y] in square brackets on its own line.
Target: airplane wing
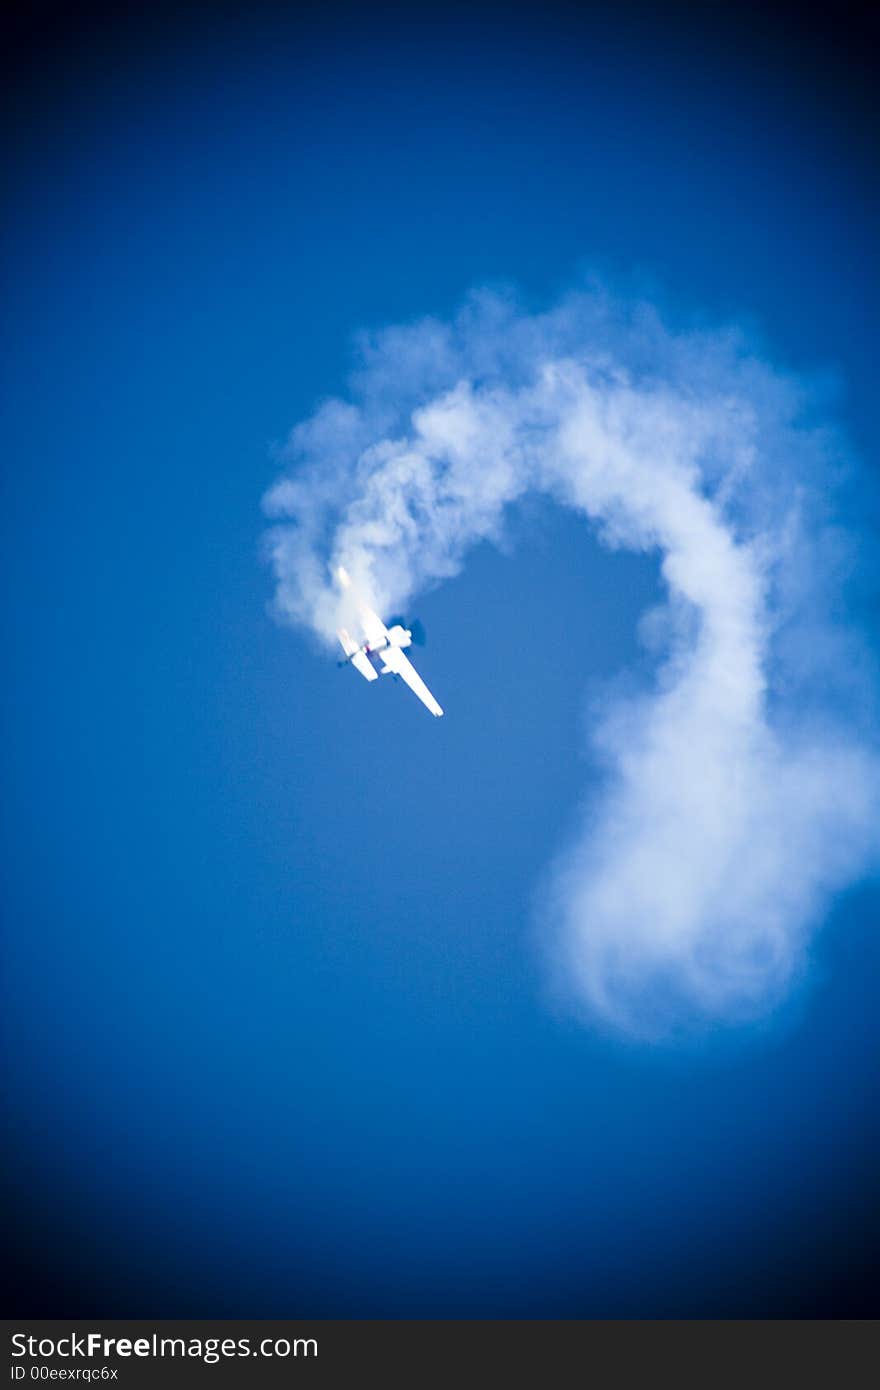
[372, 626]
[402, 666]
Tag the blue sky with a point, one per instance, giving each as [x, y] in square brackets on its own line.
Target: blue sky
[281, 1036]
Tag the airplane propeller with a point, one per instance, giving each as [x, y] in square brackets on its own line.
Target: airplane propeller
[415, 628]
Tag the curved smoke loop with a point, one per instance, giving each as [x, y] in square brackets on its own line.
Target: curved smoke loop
[738, 793]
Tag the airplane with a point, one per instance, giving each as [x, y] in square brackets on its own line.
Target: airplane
[380, 652]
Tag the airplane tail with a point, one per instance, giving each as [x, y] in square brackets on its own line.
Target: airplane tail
[349, 646]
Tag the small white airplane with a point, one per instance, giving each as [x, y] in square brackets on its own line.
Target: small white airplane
[380, 653]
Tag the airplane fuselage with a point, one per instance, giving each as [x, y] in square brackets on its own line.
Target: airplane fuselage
[397, 637]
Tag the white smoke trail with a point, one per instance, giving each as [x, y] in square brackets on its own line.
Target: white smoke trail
[738, 794]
